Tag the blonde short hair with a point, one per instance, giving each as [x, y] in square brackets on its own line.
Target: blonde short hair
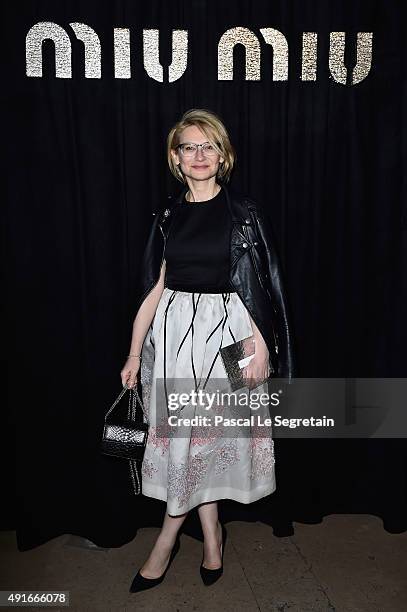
[212, 126]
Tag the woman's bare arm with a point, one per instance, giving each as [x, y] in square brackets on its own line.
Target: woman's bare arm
[258, 366]
[259, 341]
[146, 313]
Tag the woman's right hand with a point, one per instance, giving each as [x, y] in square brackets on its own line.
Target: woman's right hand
[130, 371]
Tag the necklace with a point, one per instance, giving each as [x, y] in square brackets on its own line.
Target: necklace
[214, 195]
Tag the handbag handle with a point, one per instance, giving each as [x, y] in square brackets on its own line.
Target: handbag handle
[134, 404]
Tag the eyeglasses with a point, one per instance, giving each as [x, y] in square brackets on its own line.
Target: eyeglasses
[189, 149]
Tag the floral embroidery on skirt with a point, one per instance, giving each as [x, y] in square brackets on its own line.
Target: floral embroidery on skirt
[203, 464]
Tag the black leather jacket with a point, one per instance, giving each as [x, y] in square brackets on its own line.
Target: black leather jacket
[255, 272]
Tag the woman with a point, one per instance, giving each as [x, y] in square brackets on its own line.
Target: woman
[211, 277]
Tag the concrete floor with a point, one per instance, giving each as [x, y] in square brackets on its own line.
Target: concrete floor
[347, 563]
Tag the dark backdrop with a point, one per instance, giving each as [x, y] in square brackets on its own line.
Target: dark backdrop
[84, 167]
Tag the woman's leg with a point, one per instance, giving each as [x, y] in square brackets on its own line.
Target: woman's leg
[160, 554]
[212, 531]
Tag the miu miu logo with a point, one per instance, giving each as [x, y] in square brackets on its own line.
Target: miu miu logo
[251, 41]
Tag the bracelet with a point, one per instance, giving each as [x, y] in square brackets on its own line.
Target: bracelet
[139, 356]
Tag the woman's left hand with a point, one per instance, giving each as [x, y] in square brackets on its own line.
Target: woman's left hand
[258, 369]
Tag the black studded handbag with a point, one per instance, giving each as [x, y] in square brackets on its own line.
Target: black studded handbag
[126, 438]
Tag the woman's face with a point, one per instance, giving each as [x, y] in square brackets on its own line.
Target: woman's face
[200, 167]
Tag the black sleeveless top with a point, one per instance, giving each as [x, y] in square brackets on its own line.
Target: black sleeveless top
[197, 251]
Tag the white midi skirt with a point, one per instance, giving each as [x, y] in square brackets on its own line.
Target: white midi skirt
[189, 461]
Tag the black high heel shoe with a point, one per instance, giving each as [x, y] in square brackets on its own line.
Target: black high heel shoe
[209, 576]
[140, 583]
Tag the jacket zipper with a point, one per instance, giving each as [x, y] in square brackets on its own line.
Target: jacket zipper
[253, 258]
[261, 283]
